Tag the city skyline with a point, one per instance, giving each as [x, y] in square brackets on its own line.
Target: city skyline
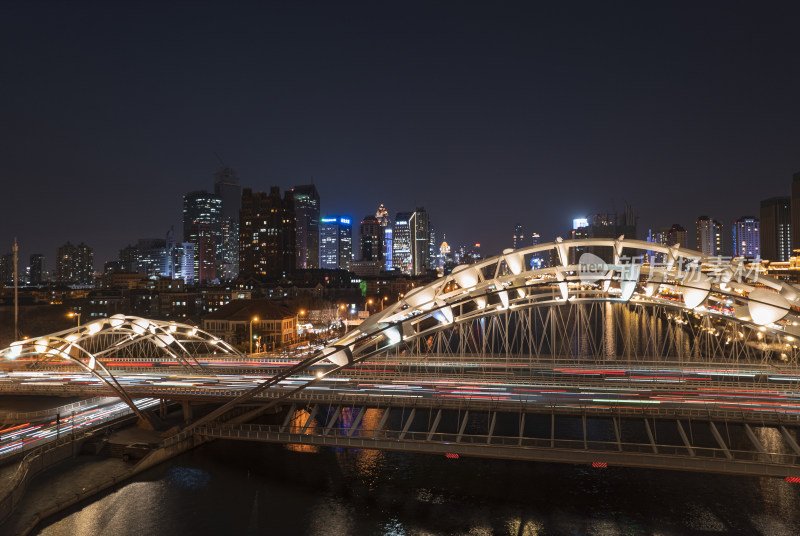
[490, 113]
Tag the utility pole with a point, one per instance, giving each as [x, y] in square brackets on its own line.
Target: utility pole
[15, 249]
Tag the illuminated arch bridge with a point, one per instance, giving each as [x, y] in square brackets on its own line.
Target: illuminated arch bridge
[120, 337]
[598, 302]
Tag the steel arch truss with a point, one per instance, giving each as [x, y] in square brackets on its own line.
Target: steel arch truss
[123, 337]
[601, 301]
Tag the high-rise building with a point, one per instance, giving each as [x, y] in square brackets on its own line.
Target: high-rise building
[7, 269]
[382, 215]
[306, 209]
[519, 237]
[746, 242]
[371, 239]
[420, 227]
[202, 226]
[226, 187]
[335, 242]
[776, 229]
[676, 236]
[37, 270]
[795, 211]
[401, 243]
[267, 245]
[74, 264]
[541, 259]
[709, 236]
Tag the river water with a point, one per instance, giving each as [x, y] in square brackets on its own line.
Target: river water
[228, 487]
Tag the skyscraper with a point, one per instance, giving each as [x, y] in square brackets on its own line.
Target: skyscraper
[795, 211]
[371, 239]
[776, 228]
[709, 236]
[746, 242]
[335, 242]
[382, 215]
[267, 245]
[420, 228]
[401, 243]
[226, 187]
[519, 237]
[74, 264]
[676, 236]
[37, 271]
[202, 225]
[306, 209]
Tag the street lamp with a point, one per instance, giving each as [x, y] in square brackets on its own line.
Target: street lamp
[383, 302]
[73, 314]
[254, 319]
[368, 302]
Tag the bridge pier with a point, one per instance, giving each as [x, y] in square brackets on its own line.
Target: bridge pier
[187, 411]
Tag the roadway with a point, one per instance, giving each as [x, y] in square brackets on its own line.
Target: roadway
[665, 387]
[21, 437]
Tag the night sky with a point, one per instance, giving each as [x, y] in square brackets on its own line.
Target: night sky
[488, 114]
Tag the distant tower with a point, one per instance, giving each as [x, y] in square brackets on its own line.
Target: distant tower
[746, 237]
[306, 209]
[371, 233]
[335, 242]
[776, 228]
[202, 226]
[676, 236]
[74, 264]
[37, 269]
[382, 216]
[401, 243]
[266, 234]
[709, 236]
[420, 227]
[519, 236]
[226, 187]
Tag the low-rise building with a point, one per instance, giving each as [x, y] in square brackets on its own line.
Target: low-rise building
[273, 325]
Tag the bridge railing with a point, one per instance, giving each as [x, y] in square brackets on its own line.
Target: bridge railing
[22, 416]
[365, 438]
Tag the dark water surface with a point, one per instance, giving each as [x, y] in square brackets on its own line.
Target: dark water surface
[229, 487]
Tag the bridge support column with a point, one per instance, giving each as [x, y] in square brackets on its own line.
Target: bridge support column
[288, 418]
[650, 436]
[187, 411]
[310, 419]
[617, 434]
[382, 423]
[462, 427]
[331, 422]
[356, 421]
[408, 423]
[790, 440]
[162, 408]
[756, 443]
[685, 438]
[720, 442]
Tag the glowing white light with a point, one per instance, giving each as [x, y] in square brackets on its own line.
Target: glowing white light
[444, 315]
[465, 275]
[767, 307]
[116, 321]
[139, 325]
[15, 349]
[40, 346]
[514, 261]
[503, 298]
[480, 302]
[93, 328]
[92, 363]
[695, 287]
[393, 335]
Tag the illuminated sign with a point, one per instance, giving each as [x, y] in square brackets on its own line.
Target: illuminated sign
[328, 220]
[345, 221]
[577, 223]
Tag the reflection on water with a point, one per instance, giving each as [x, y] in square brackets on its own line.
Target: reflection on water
[229, 487]
[296, 425]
